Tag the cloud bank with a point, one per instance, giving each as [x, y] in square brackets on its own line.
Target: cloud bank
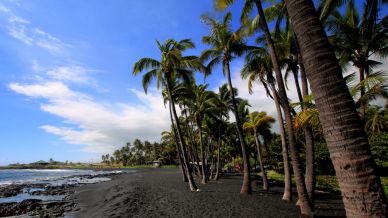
[100, 127]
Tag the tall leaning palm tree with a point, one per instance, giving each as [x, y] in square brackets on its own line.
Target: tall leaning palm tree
[304, 201]
[258, 121]
[225, 45]
[176, 94]
[172, 64]
[258, 66]
[347, 142]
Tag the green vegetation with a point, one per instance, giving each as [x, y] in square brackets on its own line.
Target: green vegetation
[324, 182]
[54, 166]
[322, 133]
[384, 180]
[142, 154]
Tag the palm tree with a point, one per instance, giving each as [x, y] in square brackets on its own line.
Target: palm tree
[172, 65]
[200, 106]
[258, 66]
[309, 116]
[220, 131]
[289, 55]
[361, 189]
[224, 105]
[290, 59]
[356, 40]
[174, 86]
[377, 121]
[372, 87]
[183, 92]
[225, 45]
[303, 201]
[185, 178]
[258, 121]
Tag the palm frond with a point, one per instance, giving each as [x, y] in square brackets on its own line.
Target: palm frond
[144, 64]
[147, 78]
[222, 4]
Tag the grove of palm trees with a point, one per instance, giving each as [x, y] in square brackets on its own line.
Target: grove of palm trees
[337, 128]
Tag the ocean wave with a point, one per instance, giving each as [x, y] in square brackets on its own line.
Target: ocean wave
[52, 176]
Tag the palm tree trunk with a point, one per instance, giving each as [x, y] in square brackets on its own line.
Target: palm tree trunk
[216, 177]
[297, 86]
[204, 179]
[194, 152]
[362, 93]
[361, 189]
[192, 185]
[177, 146]
[265, 180]
[246, 187]
[303, 78]
[287, 195]
[309, 136]
[305, 205]
[310, 167]
[211, 163]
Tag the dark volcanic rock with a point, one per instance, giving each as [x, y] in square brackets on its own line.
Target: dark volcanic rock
[55, 190]
[14, 209]
[11, 190]
[34, 207]
[53, 209]
[39, 208]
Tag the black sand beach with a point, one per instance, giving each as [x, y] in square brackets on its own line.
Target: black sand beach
[161, 193]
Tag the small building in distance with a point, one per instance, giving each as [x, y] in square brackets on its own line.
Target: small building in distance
[157, 163]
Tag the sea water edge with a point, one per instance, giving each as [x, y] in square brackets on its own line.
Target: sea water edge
[51, 177]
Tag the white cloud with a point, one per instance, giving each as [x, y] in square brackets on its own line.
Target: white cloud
[49, 90]
[258, 100]
[48, 42]
[19, 32]
[15, 19]
[73, 73]
[22, 30]
[99, 127]
[4, 9]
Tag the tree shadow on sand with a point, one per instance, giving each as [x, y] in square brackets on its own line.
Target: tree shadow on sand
[327, 203]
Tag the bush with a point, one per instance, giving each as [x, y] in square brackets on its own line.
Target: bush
[384, 181]
[379, 148]
[328, 183]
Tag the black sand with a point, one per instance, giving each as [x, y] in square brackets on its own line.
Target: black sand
[161, 193]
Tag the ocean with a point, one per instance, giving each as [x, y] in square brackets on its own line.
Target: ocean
[47, 177]
[51, 176]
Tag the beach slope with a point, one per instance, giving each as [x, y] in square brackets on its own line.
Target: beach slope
[161, 193]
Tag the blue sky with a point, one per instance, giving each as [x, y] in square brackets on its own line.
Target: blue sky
[66, 89]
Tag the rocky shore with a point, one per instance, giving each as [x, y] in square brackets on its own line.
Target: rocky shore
[44, 199]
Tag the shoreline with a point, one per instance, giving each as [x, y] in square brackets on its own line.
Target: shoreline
[162, 193]
[46, 197]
